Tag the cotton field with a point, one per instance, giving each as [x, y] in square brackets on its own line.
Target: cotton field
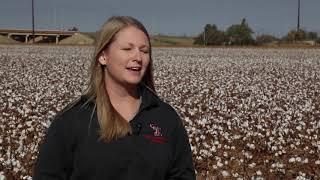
[249, 113]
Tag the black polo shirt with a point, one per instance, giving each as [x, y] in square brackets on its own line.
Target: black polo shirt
[158, 148]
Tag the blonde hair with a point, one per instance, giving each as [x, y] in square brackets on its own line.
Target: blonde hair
[112, 124]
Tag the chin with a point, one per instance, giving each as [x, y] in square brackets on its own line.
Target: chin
[133, 82]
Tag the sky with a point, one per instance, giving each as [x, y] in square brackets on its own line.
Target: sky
[170, 17]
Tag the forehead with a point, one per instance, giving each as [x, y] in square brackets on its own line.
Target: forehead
[132, 35]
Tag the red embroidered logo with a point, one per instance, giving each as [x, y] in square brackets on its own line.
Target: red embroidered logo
[154, 139]
[157, 130]
[157, 135]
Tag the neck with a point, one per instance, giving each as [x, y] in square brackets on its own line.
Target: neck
[124, 99]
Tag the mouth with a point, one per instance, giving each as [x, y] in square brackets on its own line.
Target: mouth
[134, 68]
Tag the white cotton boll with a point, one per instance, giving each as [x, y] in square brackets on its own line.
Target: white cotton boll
[27, 177]
[259, 126]
[213, 149]
[197, 139]
[251, 146]
[2, 177]
[219, 164]
[28, 123]
[245, 124]
[216, 142]
[219, 146]
[45, 124]
[192, 148]
[292, 160]
[299, 128]
[202, 137]
[247, 155]
[286, 130]
[317, 162]
[252, 165]
[225, 173]
[31, 129]
[225, 154]
[318, 125]
[259, 173]
[7, 162]
[298, 159]
[15, 169]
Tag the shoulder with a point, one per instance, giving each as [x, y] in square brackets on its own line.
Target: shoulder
[74, 114]
[169, 115]
[168, 109]
[74, 108]
[173, 126]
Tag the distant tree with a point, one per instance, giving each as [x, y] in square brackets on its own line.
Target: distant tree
[293, 35]
[73, 29]
[210, 36]
[290, 36]
[312, 35]
[240, 34]
[318, 41]
[265, 38]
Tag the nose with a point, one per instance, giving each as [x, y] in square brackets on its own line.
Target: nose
[138, 55]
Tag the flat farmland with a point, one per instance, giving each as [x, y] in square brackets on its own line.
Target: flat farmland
[249, 113]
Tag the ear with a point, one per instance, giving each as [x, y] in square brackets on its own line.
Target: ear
[102, 59]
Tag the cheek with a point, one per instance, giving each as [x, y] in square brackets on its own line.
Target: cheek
[117, 64]
[146, 61]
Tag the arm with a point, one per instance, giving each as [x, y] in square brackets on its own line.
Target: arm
[182, 167]
[55, 157]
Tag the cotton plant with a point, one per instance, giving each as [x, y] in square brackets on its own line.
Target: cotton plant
[257, 109]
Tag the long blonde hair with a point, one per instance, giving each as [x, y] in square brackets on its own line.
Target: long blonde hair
[112, 124]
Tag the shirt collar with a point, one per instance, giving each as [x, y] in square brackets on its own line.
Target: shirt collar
[148, 97]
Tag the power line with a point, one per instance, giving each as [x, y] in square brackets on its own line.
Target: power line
[33, 21]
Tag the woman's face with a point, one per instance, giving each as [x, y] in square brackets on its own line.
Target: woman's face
[127, 57]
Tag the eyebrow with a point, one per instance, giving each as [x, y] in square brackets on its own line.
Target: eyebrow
[143, 46]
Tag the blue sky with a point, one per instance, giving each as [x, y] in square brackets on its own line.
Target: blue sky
[172, 17]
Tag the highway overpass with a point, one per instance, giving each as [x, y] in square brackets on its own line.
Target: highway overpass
[40, 36]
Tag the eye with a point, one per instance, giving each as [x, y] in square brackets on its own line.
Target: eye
[146, 51]
[126, 48]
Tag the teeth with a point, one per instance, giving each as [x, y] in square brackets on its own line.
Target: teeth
[135, 68]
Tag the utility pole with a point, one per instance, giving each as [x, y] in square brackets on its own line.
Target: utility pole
[205, 34]
[204, 37]
[298, 24]
[33, 21]
[55, 18]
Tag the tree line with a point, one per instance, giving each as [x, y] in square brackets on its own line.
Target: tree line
[242, 34]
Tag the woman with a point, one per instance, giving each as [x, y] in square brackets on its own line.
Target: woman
[119, 129]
